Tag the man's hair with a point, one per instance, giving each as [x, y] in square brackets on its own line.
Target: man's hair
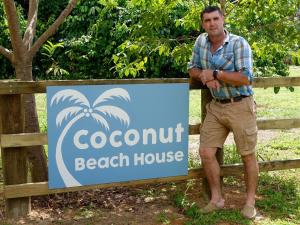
[210, 9]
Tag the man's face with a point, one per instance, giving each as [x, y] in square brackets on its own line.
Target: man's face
[213, 23]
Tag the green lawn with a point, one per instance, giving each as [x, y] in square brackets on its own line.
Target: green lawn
[285, 104]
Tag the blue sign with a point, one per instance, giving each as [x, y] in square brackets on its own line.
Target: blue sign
[112, 133]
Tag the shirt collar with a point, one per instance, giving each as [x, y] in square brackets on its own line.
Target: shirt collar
[226, 40]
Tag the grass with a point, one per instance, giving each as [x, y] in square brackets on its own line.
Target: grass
[284, 104]
[278, 201]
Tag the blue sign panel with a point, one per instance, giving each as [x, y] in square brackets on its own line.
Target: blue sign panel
[112, 133]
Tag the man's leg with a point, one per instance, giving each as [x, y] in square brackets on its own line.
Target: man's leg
[212, 170]
[251, 177]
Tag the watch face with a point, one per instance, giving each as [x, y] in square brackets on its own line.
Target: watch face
[215, 74]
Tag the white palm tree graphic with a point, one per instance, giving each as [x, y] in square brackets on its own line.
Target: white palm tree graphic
[80, 109]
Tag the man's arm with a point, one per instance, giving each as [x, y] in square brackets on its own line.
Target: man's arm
[234, 78]
[195, 73]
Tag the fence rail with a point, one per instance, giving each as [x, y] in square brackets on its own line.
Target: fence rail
[14, 141]
[36, 189]
[31, 87]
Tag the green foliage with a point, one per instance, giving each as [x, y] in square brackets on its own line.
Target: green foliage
[141, 38]
[54, 69]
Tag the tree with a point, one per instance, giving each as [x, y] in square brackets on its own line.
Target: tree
[166, 30]
[24, 46]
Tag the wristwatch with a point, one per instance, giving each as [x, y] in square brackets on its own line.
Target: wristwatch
[215, 74]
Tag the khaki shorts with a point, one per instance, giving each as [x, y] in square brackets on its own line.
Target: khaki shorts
[238, 117]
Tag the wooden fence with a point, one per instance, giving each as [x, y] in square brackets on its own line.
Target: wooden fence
[17, 191]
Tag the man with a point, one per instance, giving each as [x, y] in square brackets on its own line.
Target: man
[223, 62]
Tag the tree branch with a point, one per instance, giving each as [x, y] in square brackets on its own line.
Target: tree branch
[51, 30]
[7, 53]
[14, 27]
[31, 23]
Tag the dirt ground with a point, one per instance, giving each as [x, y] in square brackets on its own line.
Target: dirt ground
[147, 205]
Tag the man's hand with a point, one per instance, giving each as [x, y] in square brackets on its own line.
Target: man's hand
[214, 84]
[206, 76]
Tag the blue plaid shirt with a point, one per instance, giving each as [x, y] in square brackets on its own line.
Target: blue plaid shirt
[234, 55]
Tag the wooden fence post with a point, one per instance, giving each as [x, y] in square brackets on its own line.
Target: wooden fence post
[14, 160]
[206, 98]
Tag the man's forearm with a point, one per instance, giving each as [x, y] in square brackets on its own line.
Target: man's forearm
[195, 73]
[233, 78]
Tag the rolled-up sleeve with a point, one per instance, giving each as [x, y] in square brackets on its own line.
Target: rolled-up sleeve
[195, 60]
[244, 58]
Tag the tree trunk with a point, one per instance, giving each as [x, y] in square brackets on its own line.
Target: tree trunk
[36, 154]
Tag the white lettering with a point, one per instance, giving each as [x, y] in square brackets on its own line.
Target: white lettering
[163, 139]
[149, 158]
[102, 142]
[79, 164]
[136, 137]
[91, 164]
[112, 139]
[163, 157]
[139, 159]
[179, 130]
[170, 156]
[120, 160]
[103, 163]
[146, 133]
[124, 158]
[112, 163]
[76, 138]
[179, 156]
[131, 137]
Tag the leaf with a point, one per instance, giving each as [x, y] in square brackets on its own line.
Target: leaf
[73, 95]
[112, 93]
[116, 112]
[100, 120]
[65, 113]
[276, 90]
[115, 58]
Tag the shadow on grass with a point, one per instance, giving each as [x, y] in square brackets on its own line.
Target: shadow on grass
[280, 196]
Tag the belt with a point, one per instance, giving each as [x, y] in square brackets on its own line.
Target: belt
[233, 99]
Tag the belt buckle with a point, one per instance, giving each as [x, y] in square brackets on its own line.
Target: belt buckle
[232, 100]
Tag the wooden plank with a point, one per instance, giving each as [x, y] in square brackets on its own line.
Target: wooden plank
[261, 82]
[36, 189]
[32, 139]
[1, 191]
[261, 124]
[278, 124]
[30, 87]
[23, 139]
[14, 163]
[194, 129]
[276, 82]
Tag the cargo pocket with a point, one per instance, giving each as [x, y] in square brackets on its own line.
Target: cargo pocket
[251, 138]
[252, 106]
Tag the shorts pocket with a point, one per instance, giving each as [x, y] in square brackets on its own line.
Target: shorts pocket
[250, 138]
[252, 106]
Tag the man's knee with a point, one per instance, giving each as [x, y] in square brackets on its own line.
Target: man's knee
[250, 158]
[207, 153]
